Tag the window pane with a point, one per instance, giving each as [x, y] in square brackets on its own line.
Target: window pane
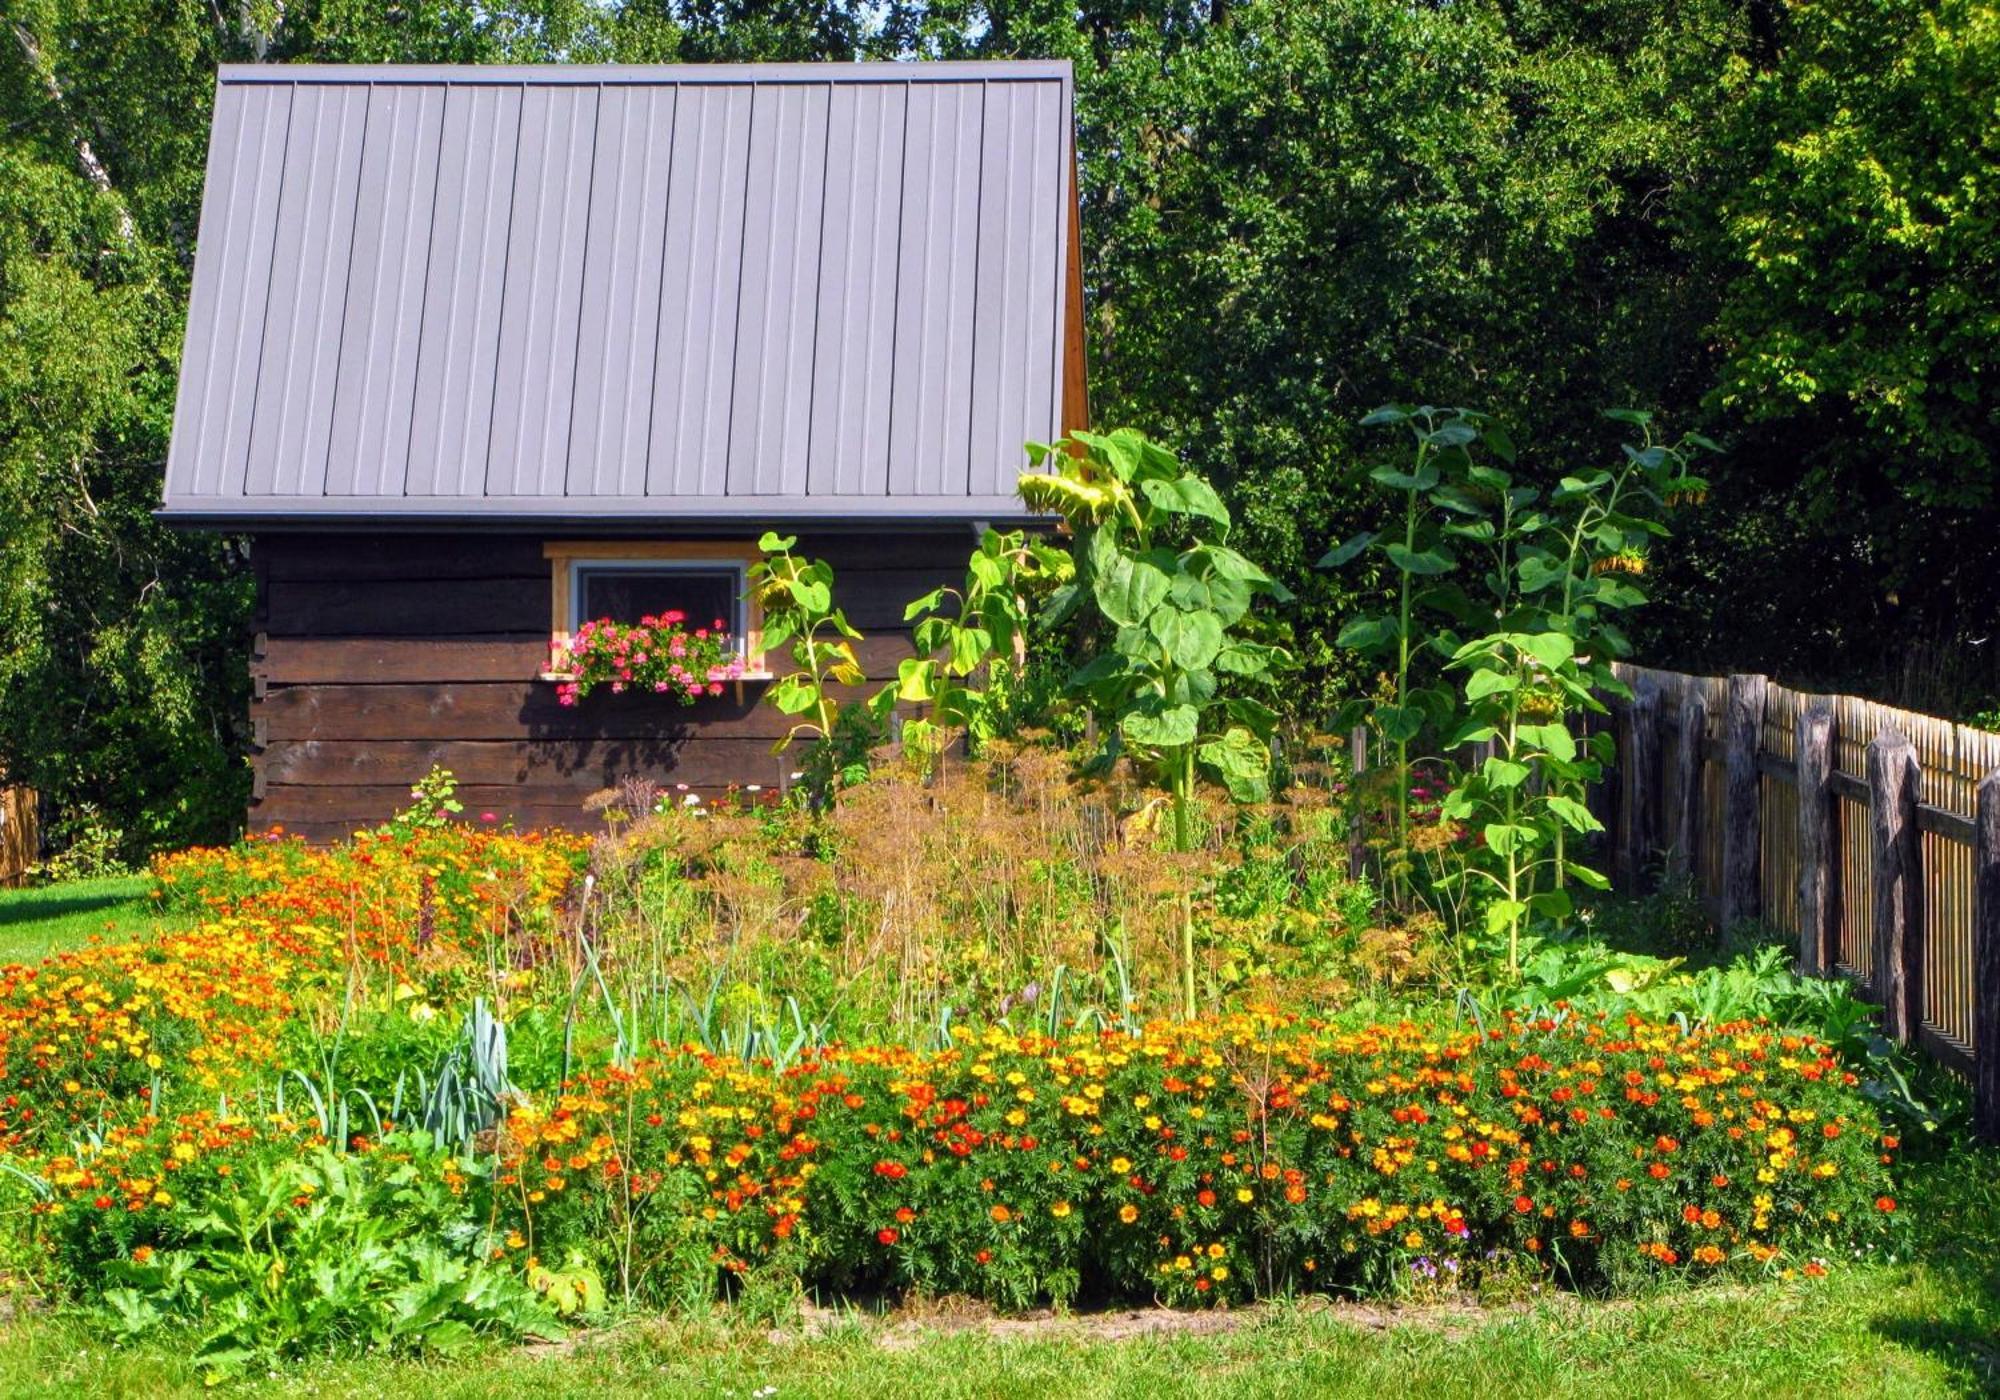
[626, 595]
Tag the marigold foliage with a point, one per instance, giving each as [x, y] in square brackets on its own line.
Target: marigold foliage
[1220, 1159]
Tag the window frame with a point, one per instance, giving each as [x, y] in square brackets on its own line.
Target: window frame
[569, 558]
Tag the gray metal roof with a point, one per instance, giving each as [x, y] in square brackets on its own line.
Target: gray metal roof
[812, 290]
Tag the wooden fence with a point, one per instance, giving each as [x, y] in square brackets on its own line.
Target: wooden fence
[1869, 834]
[20, 834]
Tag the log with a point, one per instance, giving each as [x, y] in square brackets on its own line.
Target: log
[575, 765]
[1893, 785]
[1642, 787]
[1819, 846]
[1742, 812]
[1690, 759]
[343, 557]
[1986, 960]
[292, 661]
[523, 711]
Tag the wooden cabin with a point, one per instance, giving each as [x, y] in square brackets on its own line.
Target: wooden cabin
[476, 354]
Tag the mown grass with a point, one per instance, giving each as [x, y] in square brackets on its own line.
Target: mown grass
[49, 918]
[1882, 1331]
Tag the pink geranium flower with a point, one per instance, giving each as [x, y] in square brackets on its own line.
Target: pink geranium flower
[659, 655]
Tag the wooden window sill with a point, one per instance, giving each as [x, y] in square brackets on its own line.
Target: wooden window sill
[747, 678]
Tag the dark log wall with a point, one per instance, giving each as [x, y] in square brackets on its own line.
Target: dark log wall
[378, 656]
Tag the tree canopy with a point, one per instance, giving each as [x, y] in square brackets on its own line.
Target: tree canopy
[1775, 224]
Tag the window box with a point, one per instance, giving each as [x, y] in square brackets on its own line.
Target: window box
[625, 580]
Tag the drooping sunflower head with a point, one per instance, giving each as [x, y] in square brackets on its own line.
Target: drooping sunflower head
[1076, 499]
[1625, 561]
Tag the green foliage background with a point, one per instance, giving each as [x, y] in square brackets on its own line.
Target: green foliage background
[1772, 222]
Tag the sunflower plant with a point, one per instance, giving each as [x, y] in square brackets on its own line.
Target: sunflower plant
[1181, 658]
[1541, 580]
[972, 643]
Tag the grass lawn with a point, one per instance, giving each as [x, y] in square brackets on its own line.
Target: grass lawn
[1885, 1331]
[49, 918]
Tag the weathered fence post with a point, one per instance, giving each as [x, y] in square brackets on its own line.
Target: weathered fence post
[1986, 959]
[1602, 795]
[1819, 855]
[1689, 760]
[1893, 783]
[1742, 808]
[1642, 785]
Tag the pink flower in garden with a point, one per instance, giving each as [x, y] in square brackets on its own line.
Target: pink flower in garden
[488, 817]
[714, 688]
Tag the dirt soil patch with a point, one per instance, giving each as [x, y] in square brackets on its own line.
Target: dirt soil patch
[907, 1326]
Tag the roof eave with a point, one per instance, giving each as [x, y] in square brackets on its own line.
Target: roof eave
[708, 516]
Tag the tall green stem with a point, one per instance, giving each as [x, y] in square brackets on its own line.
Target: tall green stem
[1403, 686]
[1184, 842]
[1513, 848]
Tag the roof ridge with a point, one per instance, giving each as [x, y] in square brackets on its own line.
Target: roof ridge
[563, 74]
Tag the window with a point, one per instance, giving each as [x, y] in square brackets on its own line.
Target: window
[625, 581]
[627, 590]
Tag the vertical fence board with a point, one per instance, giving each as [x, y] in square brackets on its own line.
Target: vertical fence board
[1690, 756]
[1986, 974]
[1742, 730]
[1818, 852]
[1714, 795]
[1642, 785]
[1894, 781]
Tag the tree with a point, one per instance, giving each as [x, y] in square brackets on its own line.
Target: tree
[1296, 212]
[122, 643]
[1855, 535]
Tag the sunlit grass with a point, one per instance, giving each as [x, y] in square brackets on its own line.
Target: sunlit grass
[50, 918]
[1900, 1331]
